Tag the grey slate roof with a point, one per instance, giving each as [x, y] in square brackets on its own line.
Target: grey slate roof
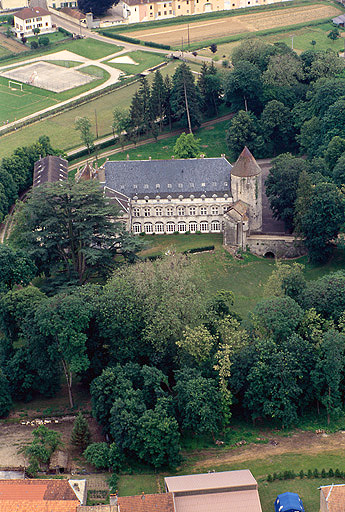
[169, 177]
[49, 170]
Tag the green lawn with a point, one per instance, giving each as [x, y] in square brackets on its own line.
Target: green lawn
[212, 142]
[53, 38]
[88, 48]
[144, 60]
[60, 128]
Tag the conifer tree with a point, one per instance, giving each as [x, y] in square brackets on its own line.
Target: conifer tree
[185, 98]
[81, 433]
[145, 100]
[158, 99]
[167, 105]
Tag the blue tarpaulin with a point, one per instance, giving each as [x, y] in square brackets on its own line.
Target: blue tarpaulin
[288, 502]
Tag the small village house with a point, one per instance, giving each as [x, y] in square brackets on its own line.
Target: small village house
[30, 18]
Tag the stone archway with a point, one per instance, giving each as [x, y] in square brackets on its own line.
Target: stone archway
[269, 255]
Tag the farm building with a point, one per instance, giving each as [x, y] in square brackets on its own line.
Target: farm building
[339, 20]
[31, 18]
[288, 502]
[220, 492]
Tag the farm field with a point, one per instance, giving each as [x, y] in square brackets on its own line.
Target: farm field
[60, 128]
[301, 41]
[246, 23]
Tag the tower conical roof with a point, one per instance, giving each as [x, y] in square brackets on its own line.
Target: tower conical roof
[245, 165]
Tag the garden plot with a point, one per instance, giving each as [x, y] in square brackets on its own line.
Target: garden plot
[48, 76]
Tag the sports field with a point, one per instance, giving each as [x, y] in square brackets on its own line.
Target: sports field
[246, 23]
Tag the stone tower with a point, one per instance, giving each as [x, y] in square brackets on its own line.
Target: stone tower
[246, 186]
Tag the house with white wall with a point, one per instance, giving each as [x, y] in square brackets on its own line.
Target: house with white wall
[29, 18]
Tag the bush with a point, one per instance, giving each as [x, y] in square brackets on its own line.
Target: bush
[97, 454]
[269, 478]
[275, 476]
[113, 480]
[338, 473]
[316, 473]
[280, 476]
[34, 45]
[310, 473]
[323, 473]
[330, 473]
[43, 41]
[301, 474]
[115, 457]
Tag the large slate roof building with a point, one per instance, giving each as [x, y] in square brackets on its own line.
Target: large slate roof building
[50, 169]
[165, 196]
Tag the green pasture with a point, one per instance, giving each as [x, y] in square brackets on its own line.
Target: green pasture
[60, 128]
[144, 60]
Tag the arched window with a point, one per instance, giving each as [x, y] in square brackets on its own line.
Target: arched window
[215, 226]
[137, 227]
[181, 227]
[148, 228]
[193, 227]
[159, 227]
[203, 227]
[170, 227]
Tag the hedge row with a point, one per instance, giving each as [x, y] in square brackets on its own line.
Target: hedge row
[132, 40]
[290, 475]
[199, 249]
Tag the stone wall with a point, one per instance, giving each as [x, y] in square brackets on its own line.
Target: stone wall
[249, 190]
[283, 246]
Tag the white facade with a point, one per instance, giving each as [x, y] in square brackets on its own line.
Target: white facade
[58, 4]
[167, 216]
[27, 20]
[10, 5]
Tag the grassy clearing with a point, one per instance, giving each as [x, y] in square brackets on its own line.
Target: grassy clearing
[212, 142]
[64, 63]
[60, 128]
[53, 38]
[245, 278]
[144, 60]
[95, 71]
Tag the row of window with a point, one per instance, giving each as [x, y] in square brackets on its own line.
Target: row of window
[170, 211]
[181, 227]
[179, 185]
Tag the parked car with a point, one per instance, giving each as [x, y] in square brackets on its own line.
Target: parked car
[288, 502]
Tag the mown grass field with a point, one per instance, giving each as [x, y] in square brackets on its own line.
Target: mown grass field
[144, 60]
[17, 104]
[233, 25]
[60, 128]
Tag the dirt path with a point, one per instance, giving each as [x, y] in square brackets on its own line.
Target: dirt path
[299, 442]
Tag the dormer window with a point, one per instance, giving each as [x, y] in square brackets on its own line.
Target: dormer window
[180, 185]
[169, 185]
[158, 185]
[191, 185]
[203, 184]
[146, 186]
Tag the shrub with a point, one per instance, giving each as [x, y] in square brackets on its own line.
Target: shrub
[330, 473]
[269, 478]
[115, 457]
[301, 474]
[310, 473]
[275, 476]
[316, 473]
[280, 476]
[113, 480]
[286, 475]
[97, 454]
[323, 473]
[34, 45]
[43, 41]
[338, 473]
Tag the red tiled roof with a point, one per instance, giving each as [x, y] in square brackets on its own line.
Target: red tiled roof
[147, 503]
[37, 496]
[31, 12]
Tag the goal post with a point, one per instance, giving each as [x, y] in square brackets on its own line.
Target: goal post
[13, 85]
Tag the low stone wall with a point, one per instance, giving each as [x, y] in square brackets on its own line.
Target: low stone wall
[284, 246]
